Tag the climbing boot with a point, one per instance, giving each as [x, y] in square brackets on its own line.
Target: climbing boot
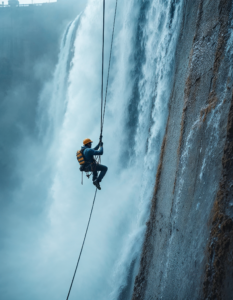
[97, 184]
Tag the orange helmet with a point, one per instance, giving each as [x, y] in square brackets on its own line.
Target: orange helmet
[87, 141]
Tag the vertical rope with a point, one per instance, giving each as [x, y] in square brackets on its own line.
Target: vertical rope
[103, 104]
[102, 75]
[109, 65]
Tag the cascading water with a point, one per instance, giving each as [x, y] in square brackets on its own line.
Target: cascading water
[54, 109]
[140, 86]
[137, 108]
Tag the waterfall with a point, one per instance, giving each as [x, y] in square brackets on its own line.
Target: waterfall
[140, 85]
[137, 109]
[52, 105]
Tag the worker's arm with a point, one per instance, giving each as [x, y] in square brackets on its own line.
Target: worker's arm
[97, 152]
[97, 147]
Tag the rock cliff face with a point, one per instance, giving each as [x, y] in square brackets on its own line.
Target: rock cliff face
[188, 246]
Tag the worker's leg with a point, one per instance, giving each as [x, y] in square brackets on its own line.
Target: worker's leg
[95, 174]
[103, 170]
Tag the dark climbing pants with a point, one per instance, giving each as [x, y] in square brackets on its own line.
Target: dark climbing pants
[95, 168]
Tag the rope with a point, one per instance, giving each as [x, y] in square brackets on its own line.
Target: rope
[102, 74]
[103, 107]
[82, 245]
[109, 65]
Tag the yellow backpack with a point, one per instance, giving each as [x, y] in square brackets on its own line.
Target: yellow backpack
[80, 157]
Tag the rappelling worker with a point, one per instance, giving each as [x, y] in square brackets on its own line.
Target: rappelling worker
[88, 163]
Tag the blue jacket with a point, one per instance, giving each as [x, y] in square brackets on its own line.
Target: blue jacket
[89, 153]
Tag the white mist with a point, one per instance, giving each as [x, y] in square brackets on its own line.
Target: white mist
[69, 112]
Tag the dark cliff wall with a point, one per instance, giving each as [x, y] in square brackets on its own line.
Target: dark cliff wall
[187, 252]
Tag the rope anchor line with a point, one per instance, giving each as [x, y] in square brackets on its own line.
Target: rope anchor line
[103, 108]
[82, 245]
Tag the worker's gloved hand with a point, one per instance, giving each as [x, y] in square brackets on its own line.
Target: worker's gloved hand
[101, 144]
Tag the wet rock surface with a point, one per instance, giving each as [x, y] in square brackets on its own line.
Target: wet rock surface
[187, 252]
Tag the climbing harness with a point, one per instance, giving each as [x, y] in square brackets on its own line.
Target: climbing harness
[103, 106]
[88, 173]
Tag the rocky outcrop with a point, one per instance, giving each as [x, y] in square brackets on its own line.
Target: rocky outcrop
[187, 253]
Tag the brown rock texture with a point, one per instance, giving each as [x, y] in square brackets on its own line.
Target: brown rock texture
[188, 247]
[219, 268]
